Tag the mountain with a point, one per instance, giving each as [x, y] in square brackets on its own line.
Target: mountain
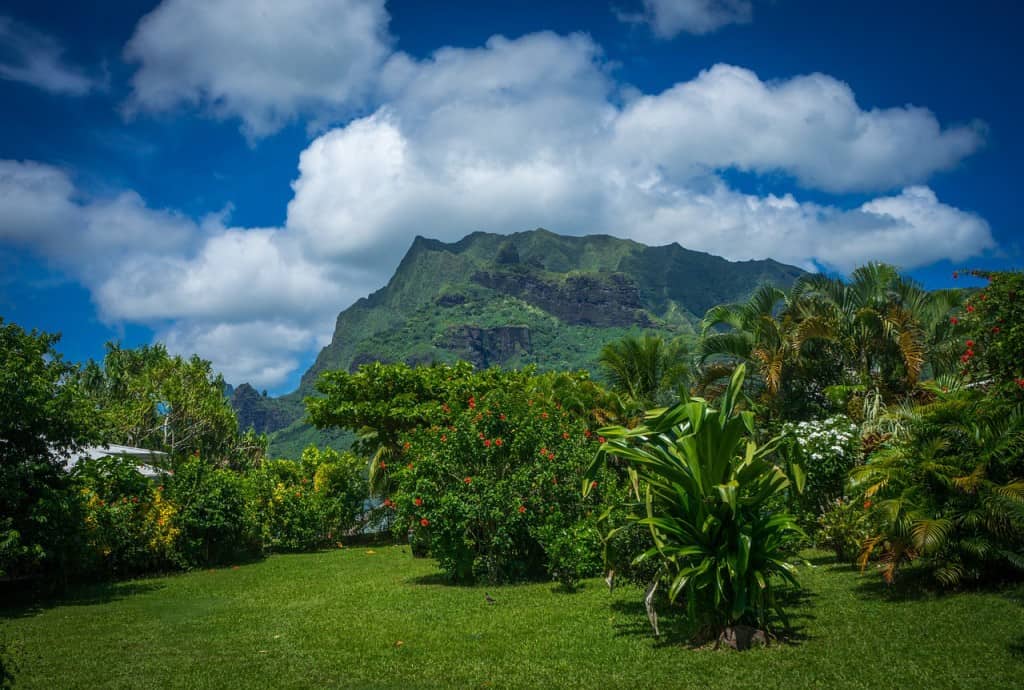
[528, 298]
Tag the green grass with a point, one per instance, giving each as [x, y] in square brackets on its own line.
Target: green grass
[351, 618]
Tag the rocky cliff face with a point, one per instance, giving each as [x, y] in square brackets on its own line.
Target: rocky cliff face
[590, 300]
[486, 347]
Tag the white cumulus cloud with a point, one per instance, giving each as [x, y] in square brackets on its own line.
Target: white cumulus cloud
[263, 62]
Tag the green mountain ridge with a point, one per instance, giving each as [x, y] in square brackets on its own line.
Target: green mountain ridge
[531, 297]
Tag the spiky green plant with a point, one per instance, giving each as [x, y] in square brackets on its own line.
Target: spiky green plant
[703, 487]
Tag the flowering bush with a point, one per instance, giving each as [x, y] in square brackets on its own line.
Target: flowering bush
[309, 503]
[498, 487]
[129, 526]
[993, 349]
[826, 450]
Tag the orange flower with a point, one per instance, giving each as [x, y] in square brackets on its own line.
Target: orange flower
[425, 522]
[498, 441]
[418, 501]
[487, 443]
[522, 509]
[565, 435]
[468, 480]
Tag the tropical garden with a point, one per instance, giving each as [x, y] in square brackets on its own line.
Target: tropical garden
[834, 472]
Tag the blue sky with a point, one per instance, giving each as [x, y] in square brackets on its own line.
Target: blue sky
[225, 176]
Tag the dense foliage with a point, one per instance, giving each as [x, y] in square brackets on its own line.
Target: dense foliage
[43, 419]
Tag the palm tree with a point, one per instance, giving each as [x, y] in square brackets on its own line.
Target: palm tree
[768, 332]
[880, 318]
[645, 368]
[951, 492]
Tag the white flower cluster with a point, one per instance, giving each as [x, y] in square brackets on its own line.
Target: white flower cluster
[837, 437]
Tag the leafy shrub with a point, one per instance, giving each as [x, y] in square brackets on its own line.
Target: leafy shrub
[484, 491]
[217, 522]
[704, 488]
[312, 502]
[825, 450]
[573, 552]
[843, 528]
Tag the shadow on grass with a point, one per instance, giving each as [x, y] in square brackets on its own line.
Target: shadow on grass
[631, 621]
[24, 602]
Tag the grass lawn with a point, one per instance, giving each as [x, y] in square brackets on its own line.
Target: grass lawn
[352, 618]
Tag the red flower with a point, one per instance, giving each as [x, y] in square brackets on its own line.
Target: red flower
[551, 455]
[970, 308]
[953, 320]
[443, 438]
[867, 504]
[425, 522]
[468, 480]
[593, 485]
[543, 415]
[487, 442]
[995, 329]
[964, 358]
[383, 465]
[406, 446]
[388, 503]
[418, 501]
[472, 402]
[502, 416]
[498, 441]
[522, 509]
[565, 435]
[600, 439]
[970, 353]
[543, 451]
[970, 343]
[587, 433]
